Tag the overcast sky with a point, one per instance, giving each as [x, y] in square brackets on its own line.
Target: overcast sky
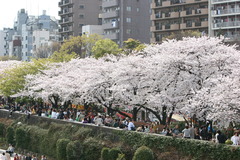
[10, 8]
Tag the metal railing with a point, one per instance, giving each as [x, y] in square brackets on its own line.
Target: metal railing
[226, 11]
[226, 24]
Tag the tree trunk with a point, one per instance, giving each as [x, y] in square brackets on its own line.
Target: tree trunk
[164, 115]
[170, 118]
[155, 114]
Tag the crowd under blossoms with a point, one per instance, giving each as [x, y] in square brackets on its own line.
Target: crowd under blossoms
[195, 76]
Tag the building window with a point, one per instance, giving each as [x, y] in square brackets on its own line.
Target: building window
[129, 8]
[100, 8]
[25, 45]
[137, 9]
[81, 25]
[81, 7]
[81, 16]
[128, 31]
[26, 38]
[128, 20]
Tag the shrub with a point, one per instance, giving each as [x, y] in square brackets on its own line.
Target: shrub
[121, 157]
[36, 138]
[113, 153]
[143, 153]
[10, 136]
[2, 130]
[105, 154]
[83, 133]
[21, 138]
[74, 150]
[92, 149]
[61, 149]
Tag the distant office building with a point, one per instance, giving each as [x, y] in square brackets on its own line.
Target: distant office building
[77, 13]
[123, 19]
[225, 19]
[178, 15]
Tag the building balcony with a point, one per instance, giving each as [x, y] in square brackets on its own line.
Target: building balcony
[223, 1]
[168, 3]
[111, 3]
[153, 28]
[110, 25]
[66, 20]
[65, 12]
[226, 25]
[195, 12]
[165, 15]
[170, 27]
[65, 3]
[111, 14]
[65, 29]
[225, 12]
[113, 36]
[231, 38]
[203, 24]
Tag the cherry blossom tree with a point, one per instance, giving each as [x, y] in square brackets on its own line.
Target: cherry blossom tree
[177, 76]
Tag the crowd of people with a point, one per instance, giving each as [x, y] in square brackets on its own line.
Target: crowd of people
[204, 132]
[9, 154]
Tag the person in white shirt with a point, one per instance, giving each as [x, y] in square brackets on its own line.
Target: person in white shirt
[235, 139]
[186, 132]
[131, 126]
[98, 121]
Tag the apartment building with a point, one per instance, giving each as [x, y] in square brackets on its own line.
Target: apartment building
[8, 37]
[178, 15]
[2, 42]
[123, 19]
[225, 19]
[77, 13]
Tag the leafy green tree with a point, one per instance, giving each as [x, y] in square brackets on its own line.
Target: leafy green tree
[132, 45]
[62, 56]
[80, 45]
[73, 45]
[181, 34]
[105, 46]
[13, 80]
[89, 42]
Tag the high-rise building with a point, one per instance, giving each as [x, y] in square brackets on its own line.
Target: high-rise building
[123, 19]
[36, 31]
[225, 19]
[21, 19]
[77, 13]
[178, 15]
